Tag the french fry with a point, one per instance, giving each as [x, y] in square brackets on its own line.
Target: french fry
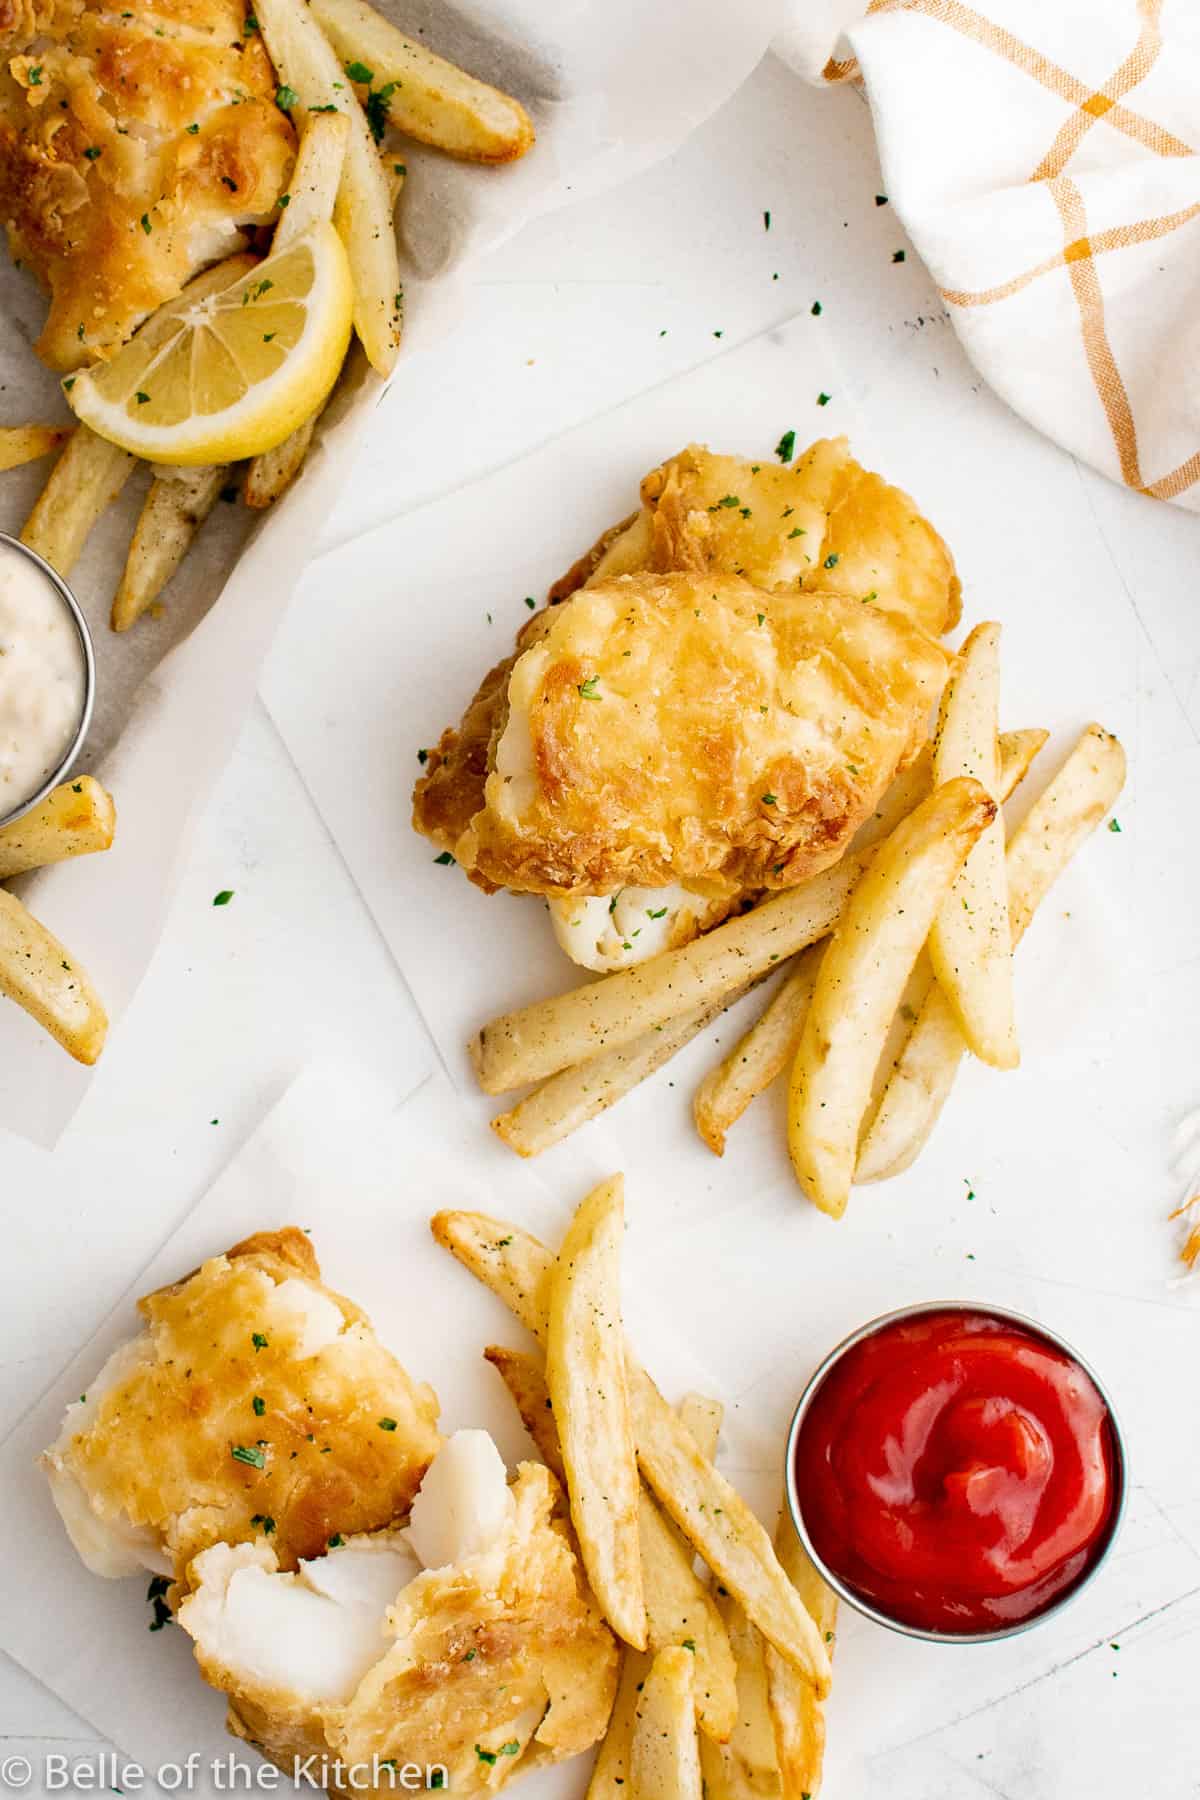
[610, 1773]
[710, 1513]
[426, 97]
[664, 1755]
[272, 472]
[585, 1372]
[770, 1044]
[525, 1379]
[970, 945]
[701, 1419]
[762, 1054]
[1059, 821]
[25, 443]
[84, 481]
[308, 66]
[604, 1015]
[797, 1715]
[172, 514]
[679, 1608]
[746, 1766]
[861, 979]
[75, 819]
[46, 982]
[566, 1101]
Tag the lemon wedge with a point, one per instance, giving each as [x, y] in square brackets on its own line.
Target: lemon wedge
[227, 375]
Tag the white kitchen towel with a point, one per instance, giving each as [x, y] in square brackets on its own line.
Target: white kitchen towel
[1045, 160]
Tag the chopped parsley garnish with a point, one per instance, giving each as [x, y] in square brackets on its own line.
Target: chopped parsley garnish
[766, 221]
[470, 1656]
[587, 689]
[35, 76]
[147, 227]
[250, 26]
[798, 531]
[1114, 825]
[816, 309]
[831, 561]
[727, 500]
[512, 1748]
[785, 449]
[249, 1454]
[192, 130]
[898, 256]
[873, 595]
[422, 757]
[387, 1424]
[358, 71]
[286, 97]
[486, 1756]
[259, 1405]
[142, 399]
[769, 800]
[881, 199]
[223, 898]
[444, 860]
[762, 618]
[269, 335]
[659, 912]
[503, 1243]
[328, 107]
[376, 108]
[336, 1541]
[689, 1643]
[824, 399]
[531, 603]
[259, 1341]
[92, 152]
[399, 168]
[266, 1521]
[284, 200]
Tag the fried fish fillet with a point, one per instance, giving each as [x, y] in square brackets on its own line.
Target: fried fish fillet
[135, 147]
[251, 1400]
[825, 524]
[693, 728]
[481, 1666]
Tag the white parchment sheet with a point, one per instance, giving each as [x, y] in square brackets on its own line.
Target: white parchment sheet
[612, 86]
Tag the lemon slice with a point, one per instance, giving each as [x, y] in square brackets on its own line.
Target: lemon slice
[229, 374]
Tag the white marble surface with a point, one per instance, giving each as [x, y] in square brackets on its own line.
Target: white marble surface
[562, 324]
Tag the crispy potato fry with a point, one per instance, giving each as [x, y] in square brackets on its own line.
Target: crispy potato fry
[762, 1054]
[272, 472]
[75, 819]
[711, 1514]
[40, 975]
[664, 1756]
[797, 1715]
[25, 443]
[173, 512]
[306, 63]
[861, 979]
[566, 1101]
[701, 1418]
[603, 1015]
[85, 480]
[1040, 848]
[771, 1042]
[610, 1774]
[585, 1372]
[679, 1608]
[746, 1766]
[525, 1379]
[426, 97]
[970, 945]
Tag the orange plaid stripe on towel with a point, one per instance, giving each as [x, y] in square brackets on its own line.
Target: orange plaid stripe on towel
[1046, 161]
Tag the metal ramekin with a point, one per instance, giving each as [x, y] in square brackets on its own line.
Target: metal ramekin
[63, 768]
[856, 1600]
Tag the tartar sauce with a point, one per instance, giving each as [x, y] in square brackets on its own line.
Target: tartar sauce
[42, 679]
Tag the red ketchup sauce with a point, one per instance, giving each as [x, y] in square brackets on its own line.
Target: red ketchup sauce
[957, 1471]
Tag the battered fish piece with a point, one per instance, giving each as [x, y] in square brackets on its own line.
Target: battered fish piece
[694, 729]
[135, 148]
[825, 524]
[483, 1664]
[251, 1401]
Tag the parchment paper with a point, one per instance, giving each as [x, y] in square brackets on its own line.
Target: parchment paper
[612, 86]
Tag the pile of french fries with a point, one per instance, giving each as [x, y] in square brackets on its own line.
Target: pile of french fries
[349, 76]
[899, 962]
[724, 1673]
[36, 970]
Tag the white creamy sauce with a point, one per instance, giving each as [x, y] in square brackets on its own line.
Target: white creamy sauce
[42, 679]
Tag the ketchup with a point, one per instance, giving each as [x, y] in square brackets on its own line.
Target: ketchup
[956, 1471]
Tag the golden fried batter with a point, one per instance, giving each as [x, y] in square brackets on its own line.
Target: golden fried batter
[693, 728]
[485, 1667]
[825, 524]
[253, 1393]
[134, 145]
